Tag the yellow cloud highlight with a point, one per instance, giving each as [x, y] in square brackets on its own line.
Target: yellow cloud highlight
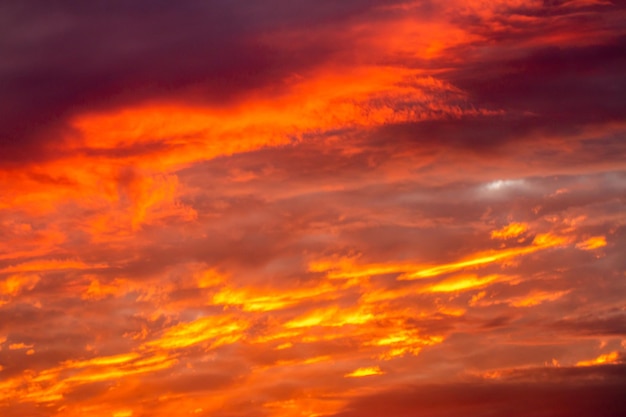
[307, 361]
[117, 371]
[50, 385]
[17, 346]
[98, 291]
[216, 331]
[103, 360]
[462, 283]
[51, 265]
[278, 335]
[16, 284]
[612, 357]
[331, 317]
[510, 231]
[249, 302]
[404, 342]
[592, 243]
[361, 372]
[346, 268]
[266, 300]
[542, 241]
[209, 278]
[536, 298]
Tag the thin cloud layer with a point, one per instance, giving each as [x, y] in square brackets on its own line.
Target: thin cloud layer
[290, 210]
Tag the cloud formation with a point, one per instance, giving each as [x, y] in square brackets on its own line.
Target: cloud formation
[286, 210]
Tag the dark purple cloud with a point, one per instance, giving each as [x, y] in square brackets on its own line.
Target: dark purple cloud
[588, 392]
[60, 59]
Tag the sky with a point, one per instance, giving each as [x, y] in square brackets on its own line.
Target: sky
[291, 208]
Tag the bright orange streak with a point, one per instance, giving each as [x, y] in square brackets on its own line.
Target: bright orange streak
[105, 360]
[252, 303]
[16, 346]
[537, 298]
[332, 317]
[540, 242]
[51, 385]
[97, 291]
[464, 282]
[291, 334]
[189, 134]
[116, 373]
[304, 407]
[592, 243]
[51, 265]
[15, 284]
[510, 231]
[602, 359]
[123, 167]
[405, 342]
[345, 268]
[218, 330]
[307, 361]
[269, 301]
[209, 278]
[361, 372]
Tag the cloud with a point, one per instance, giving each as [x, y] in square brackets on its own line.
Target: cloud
[277, 210]
[541, 398]
[63, 61]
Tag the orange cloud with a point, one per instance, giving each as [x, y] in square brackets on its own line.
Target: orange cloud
[607, 358]
[213, 331]
[361, 372]
[15, 284]
[51, 265]
[346, 268]
[16, 346]
[257, 234]
[97, 290]
[537, 297]
[463, 283]
[592, 243]
[255, 300]
[509, 231]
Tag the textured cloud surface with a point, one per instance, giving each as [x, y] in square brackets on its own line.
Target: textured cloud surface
[299, 209]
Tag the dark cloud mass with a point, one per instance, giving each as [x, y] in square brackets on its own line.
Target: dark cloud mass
[539, 398]
[312, 209]
[61, 59]
[575, 84]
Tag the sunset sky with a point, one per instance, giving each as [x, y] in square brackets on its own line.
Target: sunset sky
[289, 208]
